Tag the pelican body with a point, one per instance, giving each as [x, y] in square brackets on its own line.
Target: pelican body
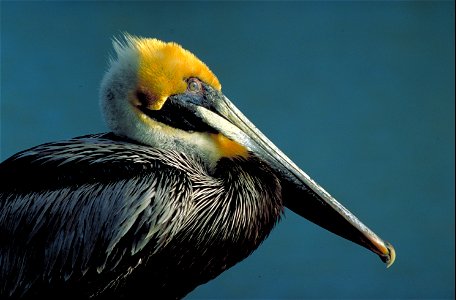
[182, 188]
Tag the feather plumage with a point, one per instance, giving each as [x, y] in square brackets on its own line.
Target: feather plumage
[101, 204]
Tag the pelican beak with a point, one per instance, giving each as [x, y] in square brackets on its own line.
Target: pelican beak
[301, 194]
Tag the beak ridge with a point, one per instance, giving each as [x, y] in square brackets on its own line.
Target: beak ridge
[301, 193]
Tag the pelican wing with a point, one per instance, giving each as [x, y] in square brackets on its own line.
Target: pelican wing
[85, 206]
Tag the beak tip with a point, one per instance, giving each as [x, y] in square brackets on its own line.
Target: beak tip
[391, 256]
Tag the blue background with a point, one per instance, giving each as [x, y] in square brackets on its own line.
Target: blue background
[359, 94]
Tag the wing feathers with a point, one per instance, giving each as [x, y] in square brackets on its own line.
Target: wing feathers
[90, 199]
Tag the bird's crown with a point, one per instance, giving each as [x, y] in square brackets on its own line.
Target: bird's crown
[163, 68]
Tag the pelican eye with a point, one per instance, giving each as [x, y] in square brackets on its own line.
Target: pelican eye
[194, 85]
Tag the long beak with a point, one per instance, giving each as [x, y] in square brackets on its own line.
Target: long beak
[301, 194]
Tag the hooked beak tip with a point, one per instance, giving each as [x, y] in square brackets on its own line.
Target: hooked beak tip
[389, 257]
[382, 248]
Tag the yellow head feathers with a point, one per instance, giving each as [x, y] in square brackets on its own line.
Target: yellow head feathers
[164, 67]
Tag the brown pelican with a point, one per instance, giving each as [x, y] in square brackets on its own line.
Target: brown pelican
[182, 188]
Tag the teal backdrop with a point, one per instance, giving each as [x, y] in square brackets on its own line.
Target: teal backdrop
[358, 94]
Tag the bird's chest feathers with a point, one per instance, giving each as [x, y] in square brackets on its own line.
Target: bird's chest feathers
[241, 206]
[231, 212]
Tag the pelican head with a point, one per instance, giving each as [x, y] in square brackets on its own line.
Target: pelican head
[156, 93]
[161, 95]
